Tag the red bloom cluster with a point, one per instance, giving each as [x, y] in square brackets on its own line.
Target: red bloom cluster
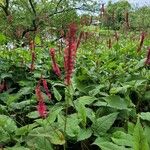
[70, 52]
[127, 19]
[116, 36]
[109, 43]
[141, 41]
[41, 108]
[46, 88]
[32, 45]
[79, 40]
[147, 62]
[2, 86]
[33, 60]
[102, 9]
[54, 64]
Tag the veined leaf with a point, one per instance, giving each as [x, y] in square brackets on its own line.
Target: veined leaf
[103, 124]
[139, 138]
[145, 116]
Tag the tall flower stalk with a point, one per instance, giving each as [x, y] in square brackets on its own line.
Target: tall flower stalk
[141, 41]
[70, 53]
[41, 107]
[33, 61]
[147, 62]
[54, 64]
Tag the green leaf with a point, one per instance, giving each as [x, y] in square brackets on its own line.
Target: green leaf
[57, 94]
[72, 125]
[84, 134]
[53, 114]
[81, 109]
[122, 139]
[106, 145]
[147, 96]
[145, 116]
[25, 129]
[16, 148]
[54, 135]
[116, 102]
[131, 127]
[33, 114]
[147, 133]
[5, 75]
[85, 100]
[7, 128]
[25, 91]
[103, 124]
[139, 138]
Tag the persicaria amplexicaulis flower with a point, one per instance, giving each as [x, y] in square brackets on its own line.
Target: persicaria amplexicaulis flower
[127, 19]
[79, 40]
[109, 43]
[141, 41]
[102, 10]
[33, 60]
[54, 64]
[41, 107]
[31, 45]
[116, 36]
[46, 88]
[147, 62]
[70, 53]
[2, 86]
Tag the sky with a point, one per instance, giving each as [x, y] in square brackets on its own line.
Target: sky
[138, 3]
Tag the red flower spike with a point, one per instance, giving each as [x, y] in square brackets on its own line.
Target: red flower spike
[33, 60]
[38, 93]
[102, 10]
[147, 62]
[79, 40]
[109, 43]
[141, 41]
[32, 45]
[116, 36]
[70, 53]
[42, 109]
[127, 19]
[46, 88]
[54, 64]
[2, 86]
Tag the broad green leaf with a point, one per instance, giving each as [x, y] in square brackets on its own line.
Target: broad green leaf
[122, 139]
[33, 114]
[116, 102]
[5, 75]
[54, 135]
[39, 143]
[131, 128]
[25, 129]
[145, 116]
[84, 134]
[57, 94]
[72, 124]
[103, 124]
[139, 138]
[147, 95]
[53, 114]
[7, 128]
[81, 109]
[16, 148]
[85, 100]
[147, 133]
[106, 145]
